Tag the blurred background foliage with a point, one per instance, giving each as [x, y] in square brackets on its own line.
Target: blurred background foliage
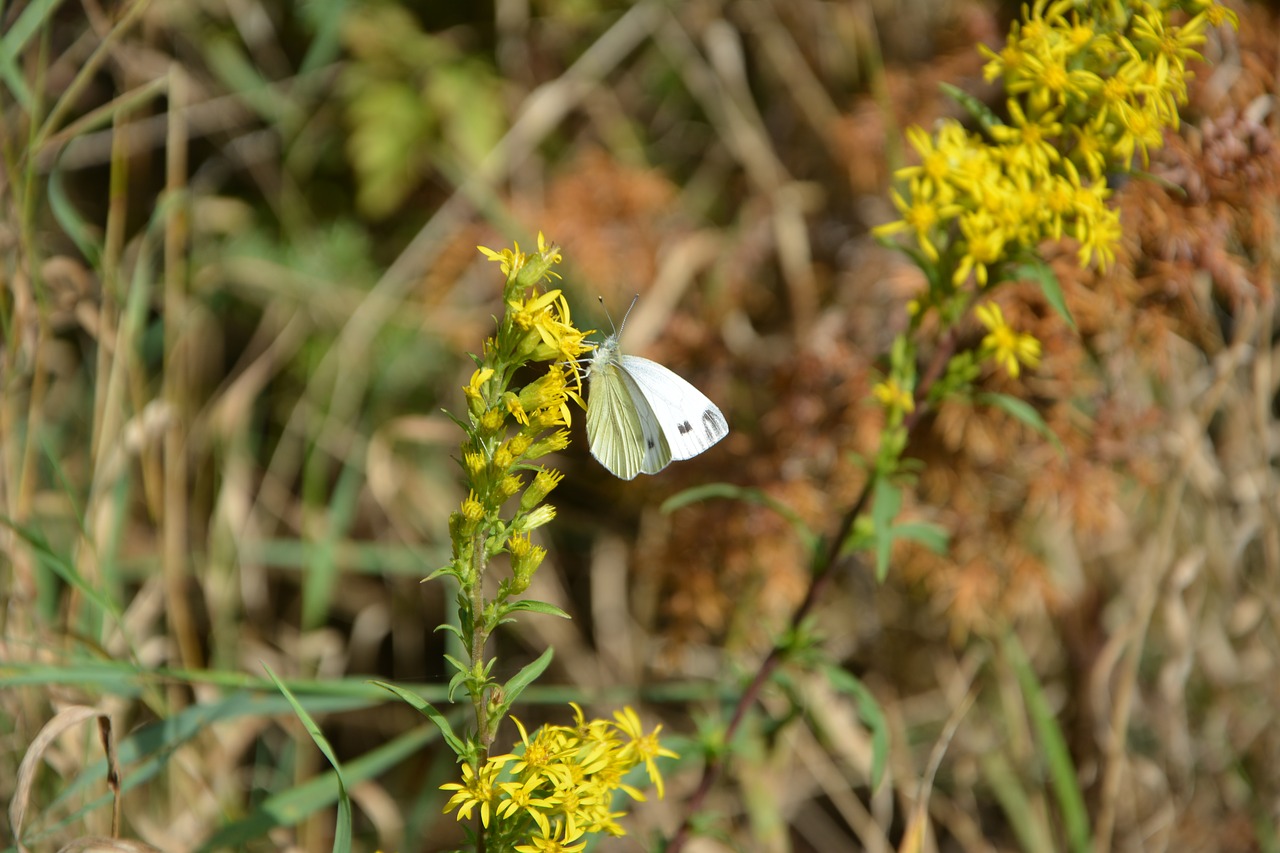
[240, 280]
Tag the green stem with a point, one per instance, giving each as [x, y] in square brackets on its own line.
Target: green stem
[479, 635]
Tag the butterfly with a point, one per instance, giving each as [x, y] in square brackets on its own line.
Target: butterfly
[640, 415]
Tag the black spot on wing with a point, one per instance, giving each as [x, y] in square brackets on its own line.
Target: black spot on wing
[713, 423]
[685, 428]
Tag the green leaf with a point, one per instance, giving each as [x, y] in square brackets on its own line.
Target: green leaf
[342, 831]
[886, 501]
[457, 664]
[728, 491]
[537, 607]
[63, 568]
[443, 570]
[446, 731]
[15, 40]
[1022, 411]
[1026, 821]
[452, 629]
[391, 134]
[457, 681]
[460, 677]
[1042, 274]
[1062, 771]
[73, 224]
[285, 808]
[870, 712]
[932, 536]
[981, 113]
[320, 579]
[522, 679]
[324, 18]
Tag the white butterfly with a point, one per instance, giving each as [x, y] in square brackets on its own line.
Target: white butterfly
[640, 415]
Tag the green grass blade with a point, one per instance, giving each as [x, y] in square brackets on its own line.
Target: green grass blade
[321, 577]
[442, 723]
[15, 40]
[1031, 833]
[288, 807]
[526, 676]
[342, 832]
[1062, 771]
[871, 714]
[1023, 411]
[729, 491]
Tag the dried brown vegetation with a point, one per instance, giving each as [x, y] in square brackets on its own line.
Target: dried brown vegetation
[226, 420]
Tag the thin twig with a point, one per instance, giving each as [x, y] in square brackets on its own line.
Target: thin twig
[833, 559]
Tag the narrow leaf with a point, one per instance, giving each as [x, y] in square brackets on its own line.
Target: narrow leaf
[446, 730]
[728, 491]
[537, 607]
[522, 679]
[342, 830]
[932, 536]
[29, 22]
[887, 500]
[870, 712]
[981, 113]
[1022, 411]
[1062, 771]
[1042, 274]
[452, 629]
[73, 224]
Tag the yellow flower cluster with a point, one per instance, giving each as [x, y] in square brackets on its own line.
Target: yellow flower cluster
[537, 327]
[1007, 348]
[1090, 84]
[558, 787]
[1115, 73]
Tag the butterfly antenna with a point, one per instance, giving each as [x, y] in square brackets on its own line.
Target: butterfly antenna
[609, 316]
[628, 314]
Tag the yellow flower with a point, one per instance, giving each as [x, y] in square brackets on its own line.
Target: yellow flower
[1008, 63]
[472, 509]
[475, 789]
[522, 797]
[1048, 80]
[544, 514]
[1091, 148]
[549, 391]
[508, 260]
[1004, 346]
[893, 396]
[1028, 140]
[642, 747]
[540, 754]
[551, 335]
[937, 158]
[557, 440]
[1169, 44]
[560, 840]
[1098, 231]
[985, 240]
[1215, 14]
[475, 388]
[922, 215]
[1059, 202]
[543, 482]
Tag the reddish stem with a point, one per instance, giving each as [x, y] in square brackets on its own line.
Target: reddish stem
[822, 578]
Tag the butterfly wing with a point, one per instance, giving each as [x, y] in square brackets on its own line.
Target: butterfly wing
[687, 419]
[622, 429]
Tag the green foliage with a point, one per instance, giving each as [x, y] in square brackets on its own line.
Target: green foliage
[413, 103]
[342, 833]
[1062, 771]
